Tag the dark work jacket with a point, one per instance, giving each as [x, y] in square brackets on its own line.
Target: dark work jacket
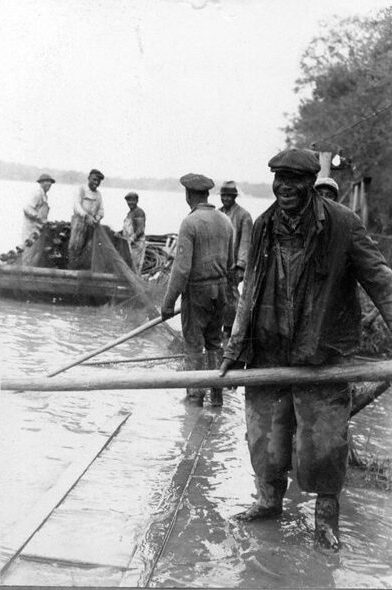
[339, 254]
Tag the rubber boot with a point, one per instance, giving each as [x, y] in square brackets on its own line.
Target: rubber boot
[195, 395]
[214, 360]
[269, 501]
[327, 522]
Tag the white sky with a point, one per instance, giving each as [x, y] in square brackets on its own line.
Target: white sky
[154, 87]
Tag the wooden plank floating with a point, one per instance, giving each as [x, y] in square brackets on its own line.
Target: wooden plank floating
[13, 543]
[371, 371]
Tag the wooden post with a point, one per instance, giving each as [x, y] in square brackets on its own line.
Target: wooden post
[325, 163]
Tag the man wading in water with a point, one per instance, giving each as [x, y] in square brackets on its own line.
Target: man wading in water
[204, 258]
[242, 224]
[299, 306]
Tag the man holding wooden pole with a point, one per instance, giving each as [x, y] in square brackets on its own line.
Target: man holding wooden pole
[299, 306]
[204, 258]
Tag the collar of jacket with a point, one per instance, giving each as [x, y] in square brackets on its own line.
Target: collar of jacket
[263, 240]
[202, 206]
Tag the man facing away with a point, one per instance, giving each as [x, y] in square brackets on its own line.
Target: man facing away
[204, 258]
[87, 212]
[133, 231]
[242, 224]
[299, 306]
[35, 215]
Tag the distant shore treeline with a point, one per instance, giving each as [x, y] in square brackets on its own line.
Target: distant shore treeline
[14, 171]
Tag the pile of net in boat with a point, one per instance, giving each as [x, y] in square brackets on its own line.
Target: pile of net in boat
[106, 252]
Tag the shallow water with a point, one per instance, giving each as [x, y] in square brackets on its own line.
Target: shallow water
[150, 510]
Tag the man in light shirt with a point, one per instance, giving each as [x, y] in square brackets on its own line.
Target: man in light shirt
[35, 215]
[88, 211]
[35, 212]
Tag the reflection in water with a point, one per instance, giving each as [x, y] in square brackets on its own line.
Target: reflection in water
[118, 519]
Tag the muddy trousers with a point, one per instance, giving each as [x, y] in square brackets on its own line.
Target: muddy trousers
[202, 319]
[318, 416]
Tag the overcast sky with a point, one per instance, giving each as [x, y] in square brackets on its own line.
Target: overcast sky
[154, 87]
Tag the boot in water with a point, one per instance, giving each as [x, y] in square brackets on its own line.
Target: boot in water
[257, 512]
[326, 534]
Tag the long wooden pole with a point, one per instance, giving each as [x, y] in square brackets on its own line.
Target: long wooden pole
[372, 371]
[111, 344]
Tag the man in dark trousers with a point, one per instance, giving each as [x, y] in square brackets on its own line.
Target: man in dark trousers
[242, 225]
[299, 306]
[204, 258]
[133, 230]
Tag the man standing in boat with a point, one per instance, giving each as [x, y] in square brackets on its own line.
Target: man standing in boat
[203, 261]
[133, 231]
[242, 224]
[35, 215]
[87, 212]
[299, 306]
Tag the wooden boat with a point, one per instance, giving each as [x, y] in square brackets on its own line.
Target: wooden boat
[51, 281]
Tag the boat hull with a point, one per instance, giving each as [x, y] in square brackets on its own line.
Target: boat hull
[80, 287]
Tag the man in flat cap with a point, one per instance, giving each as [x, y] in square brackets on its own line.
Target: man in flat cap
[299, 306]
[133, 231]
[35, 215]
[87, 212]
[327, 187]
[203, 260]
[242, 225]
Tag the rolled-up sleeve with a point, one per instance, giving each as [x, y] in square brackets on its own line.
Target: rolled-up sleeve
[31, 207]
[78, 203]
[100, 213]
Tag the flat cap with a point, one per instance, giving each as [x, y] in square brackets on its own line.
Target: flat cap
[301, 161]
[197, 182]
[131, 195]
[229, 188]
[45, 177]
[330, 182]
[97, 173]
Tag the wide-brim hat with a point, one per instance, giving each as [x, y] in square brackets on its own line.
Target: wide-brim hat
[46, 178]
[197, 182]
[229, 188]
[297, 160]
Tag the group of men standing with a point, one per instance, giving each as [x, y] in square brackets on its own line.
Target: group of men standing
[300, 265]
[299, 306]
[87, 213]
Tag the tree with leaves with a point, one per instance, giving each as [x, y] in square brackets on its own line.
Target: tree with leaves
[345, 90]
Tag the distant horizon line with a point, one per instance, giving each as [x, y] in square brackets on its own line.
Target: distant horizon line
[30, 173]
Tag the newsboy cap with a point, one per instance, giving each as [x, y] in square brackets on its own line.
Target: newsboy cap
[131, 195]
[97, 173]
[229, 188]
[330, 182]
[301, 161]
[197, 182]
[46, 177]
